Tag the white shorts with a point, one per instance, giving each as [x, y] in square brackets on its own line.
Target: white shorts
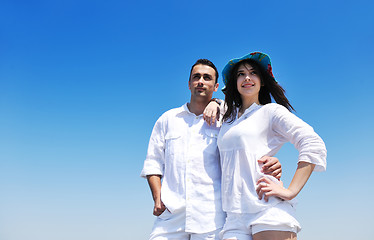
[242, 226]
[172, 226]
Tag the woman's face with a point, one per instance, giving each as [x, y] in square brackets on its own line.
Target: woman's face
[248, 82]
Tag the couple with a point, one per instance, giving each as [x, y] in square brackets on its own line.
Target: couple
[217, 179]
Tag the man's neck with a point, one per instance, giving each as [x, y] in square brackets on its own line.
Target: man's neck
[197, 106]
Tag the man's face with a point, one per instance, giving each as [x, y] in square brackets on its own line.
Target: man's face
[202, 82]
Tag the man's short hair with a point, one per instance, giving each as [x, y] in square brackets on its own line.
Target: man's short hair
[206, 62]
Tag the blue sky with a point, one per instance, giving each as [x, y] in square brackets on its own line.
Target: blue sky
[82, 83]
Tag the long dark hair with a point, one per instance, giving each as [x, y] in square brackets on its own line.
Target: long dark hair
[269, 88]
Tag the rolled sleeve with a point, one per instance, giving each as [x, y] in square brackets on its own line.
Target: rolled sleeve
[311, 147]
[155, 160]
[152, 167]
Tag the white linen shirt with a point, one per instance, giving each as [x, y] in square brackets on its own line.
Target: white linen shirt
[260, 131]
[183, 149]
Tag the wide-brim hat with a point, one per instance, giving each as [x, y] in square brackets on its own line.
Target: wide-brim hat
[261, 58]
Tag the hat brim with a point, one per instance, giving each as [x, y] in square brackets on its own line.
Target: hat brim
[261, 58]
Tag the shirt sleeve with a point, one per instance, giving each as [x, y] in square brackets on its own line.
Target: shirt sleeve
[311, 147]
[155, 159]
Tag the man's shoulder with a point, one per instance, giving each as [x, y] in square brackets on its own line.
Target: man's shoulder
[171, 113]
[175, 110]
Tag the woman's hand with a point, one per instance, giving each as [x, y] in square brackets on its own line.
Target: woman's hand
[211, 113]
[267, 188]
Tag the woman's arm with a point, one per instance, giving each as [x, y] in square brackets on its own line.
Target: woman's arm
[212, 112]
[312, 153]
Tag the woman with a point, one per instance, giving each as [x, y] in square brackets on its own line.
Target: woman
[260, 207]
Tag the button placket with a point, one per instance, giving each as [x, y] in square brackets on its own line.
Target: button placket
[188, 174]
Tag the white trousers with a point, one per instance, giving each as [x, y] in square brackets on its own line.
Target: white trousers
[172, 226]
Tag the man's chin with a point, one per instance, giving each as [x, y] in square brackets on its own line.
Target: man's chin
[201, 92]
[203, 96]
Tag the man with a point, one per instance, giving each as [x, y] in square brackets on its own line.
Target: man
[183, 151]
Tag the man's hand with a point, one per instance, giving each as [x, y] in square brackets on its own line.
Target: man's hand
[154, 182]
[159, 208]
[271, 166]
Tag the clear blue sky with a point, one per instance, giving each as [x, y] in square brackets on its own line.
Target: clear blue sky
[82, 83]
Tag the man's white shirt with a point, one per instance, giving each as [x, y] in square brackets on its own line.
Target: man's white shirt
[183, 149]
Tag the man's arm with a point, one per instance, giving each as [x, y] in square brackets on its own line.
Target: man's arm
[154, 164]
[154, 182]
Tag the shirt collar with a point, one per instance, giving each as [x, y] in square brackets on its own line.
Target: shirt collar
[253, 107]
[186, 110]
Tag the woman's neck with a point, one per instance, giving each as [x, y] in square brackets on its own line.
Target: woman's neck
[246, 103]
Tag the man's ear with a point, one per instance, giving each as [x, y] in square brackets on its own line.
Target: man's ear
[216, 87]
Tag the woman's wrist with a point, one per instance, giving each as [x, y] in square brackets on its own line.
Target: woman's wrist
[290, 194]
[218, 101]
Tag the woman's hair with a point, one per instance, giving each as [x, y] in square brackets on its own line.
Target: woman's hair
[269, 88]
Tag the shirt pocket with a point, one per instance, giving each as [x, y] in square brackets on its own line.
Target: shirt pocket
[211, 141]
[173, 143]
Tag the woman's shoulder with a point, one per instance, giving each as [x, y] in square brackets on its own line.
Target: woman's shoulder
[275, 107]
[276, 110]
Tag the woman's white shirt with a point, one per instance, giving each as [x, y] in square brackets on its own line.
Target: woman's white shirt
[260, 131]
